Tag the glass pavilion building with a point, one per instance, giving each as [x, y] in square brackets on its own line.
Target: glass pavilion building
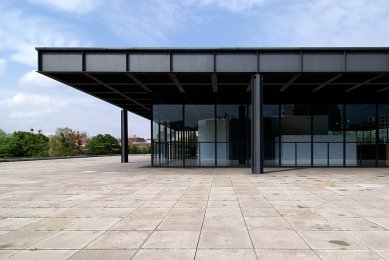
[272, 107]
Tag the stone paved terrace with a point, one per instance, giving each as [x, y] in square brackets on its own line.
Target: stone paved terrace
[98, 208]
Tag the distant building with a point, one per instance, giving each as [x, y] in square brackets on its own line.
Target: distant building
[81, 140]
[137, 141]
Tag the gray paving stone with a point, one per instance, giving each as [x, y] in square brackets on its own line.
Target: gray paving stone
[120, 240]
[213, 223]
[172, 240]
[330, 240]
[277, 239]
[67, 240]
[354, 224]
[49, 224]
[223, 213]
[267, 223]
[181, 224]
[383, 253]
[8, 224]
[226, 254]
[214, 239]
[92, 224]
[383, 222]
[310, 223]
[376, 240]
[347, 255]
[103, 254]
[137, 223]
[22, 239]
[132, 205]
[6, 253]
[157, 254]
[296, 254]
[43, 254]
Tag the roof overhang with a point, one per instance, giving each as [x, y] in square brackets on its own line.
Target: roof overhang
[136, 78]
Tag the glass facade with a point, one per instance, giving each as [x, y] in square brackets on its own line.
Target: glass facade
[219, 135]
[383, 135]
[201, 135]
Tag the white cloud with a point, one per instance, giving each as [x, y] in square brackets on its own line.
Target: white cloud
[232, 5]
[328, 23]
[3, 66]
[145, 22]
[22, 105]
[33, 79]
[77, 6]
[152, 22]
[24, 31]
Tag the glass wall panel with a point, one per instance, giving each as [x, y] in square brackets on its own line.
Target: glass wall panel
[383, 143]
[360, 135]
[167, 127]
[304, 135]
[199, 140]
[233, 131]
[295, 134]
[271, 128]
[327, 135]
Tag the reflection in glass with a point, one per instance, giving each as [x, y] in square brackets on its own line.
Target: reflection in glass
[167, 131]
[233, 130]
[327, 135]
[295, 135]
[199, 131]
[360, 135]
[271, 135]
[383, 139]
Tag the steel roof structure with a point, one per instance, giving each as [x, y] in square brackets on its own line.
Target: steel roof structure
[136, 78]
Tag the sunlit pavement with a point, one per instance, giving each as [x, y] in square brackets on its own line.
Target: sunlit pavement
[98, 208]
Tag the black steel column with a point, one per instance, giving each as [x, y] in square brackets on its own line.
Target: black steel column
[124, 136]
[257, 124]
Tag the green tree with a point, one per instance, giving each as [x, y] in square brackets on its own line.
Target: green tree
[134, 149]
[63, 143]
[146, 150]
[9, 147]
[32, 145]
[103, 144]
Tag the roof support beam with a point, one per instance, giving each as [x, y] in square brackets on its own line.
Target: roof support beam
[176, 82]
[382, 90]
[327, 82]
[365, 82]
[116, 91]
[214, 82]
[289, 83]
[137, 81]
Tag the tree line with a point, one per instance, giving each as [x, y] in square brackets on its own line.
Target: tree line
[65, 142]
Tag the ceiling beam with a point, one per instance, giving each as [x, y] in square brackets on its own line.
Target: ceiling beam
[176, 82]
[289, 83]
[116, 91]
[214, 82]
[137, 81]
[226, 84]
[382, 90]
[365, 82]
[327, 82]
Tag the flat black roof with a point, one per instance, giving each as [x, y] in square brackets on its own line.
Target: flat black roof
[136, 78]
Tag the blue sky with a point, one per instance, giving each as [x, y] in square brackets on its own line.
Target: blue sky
[29, 100]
